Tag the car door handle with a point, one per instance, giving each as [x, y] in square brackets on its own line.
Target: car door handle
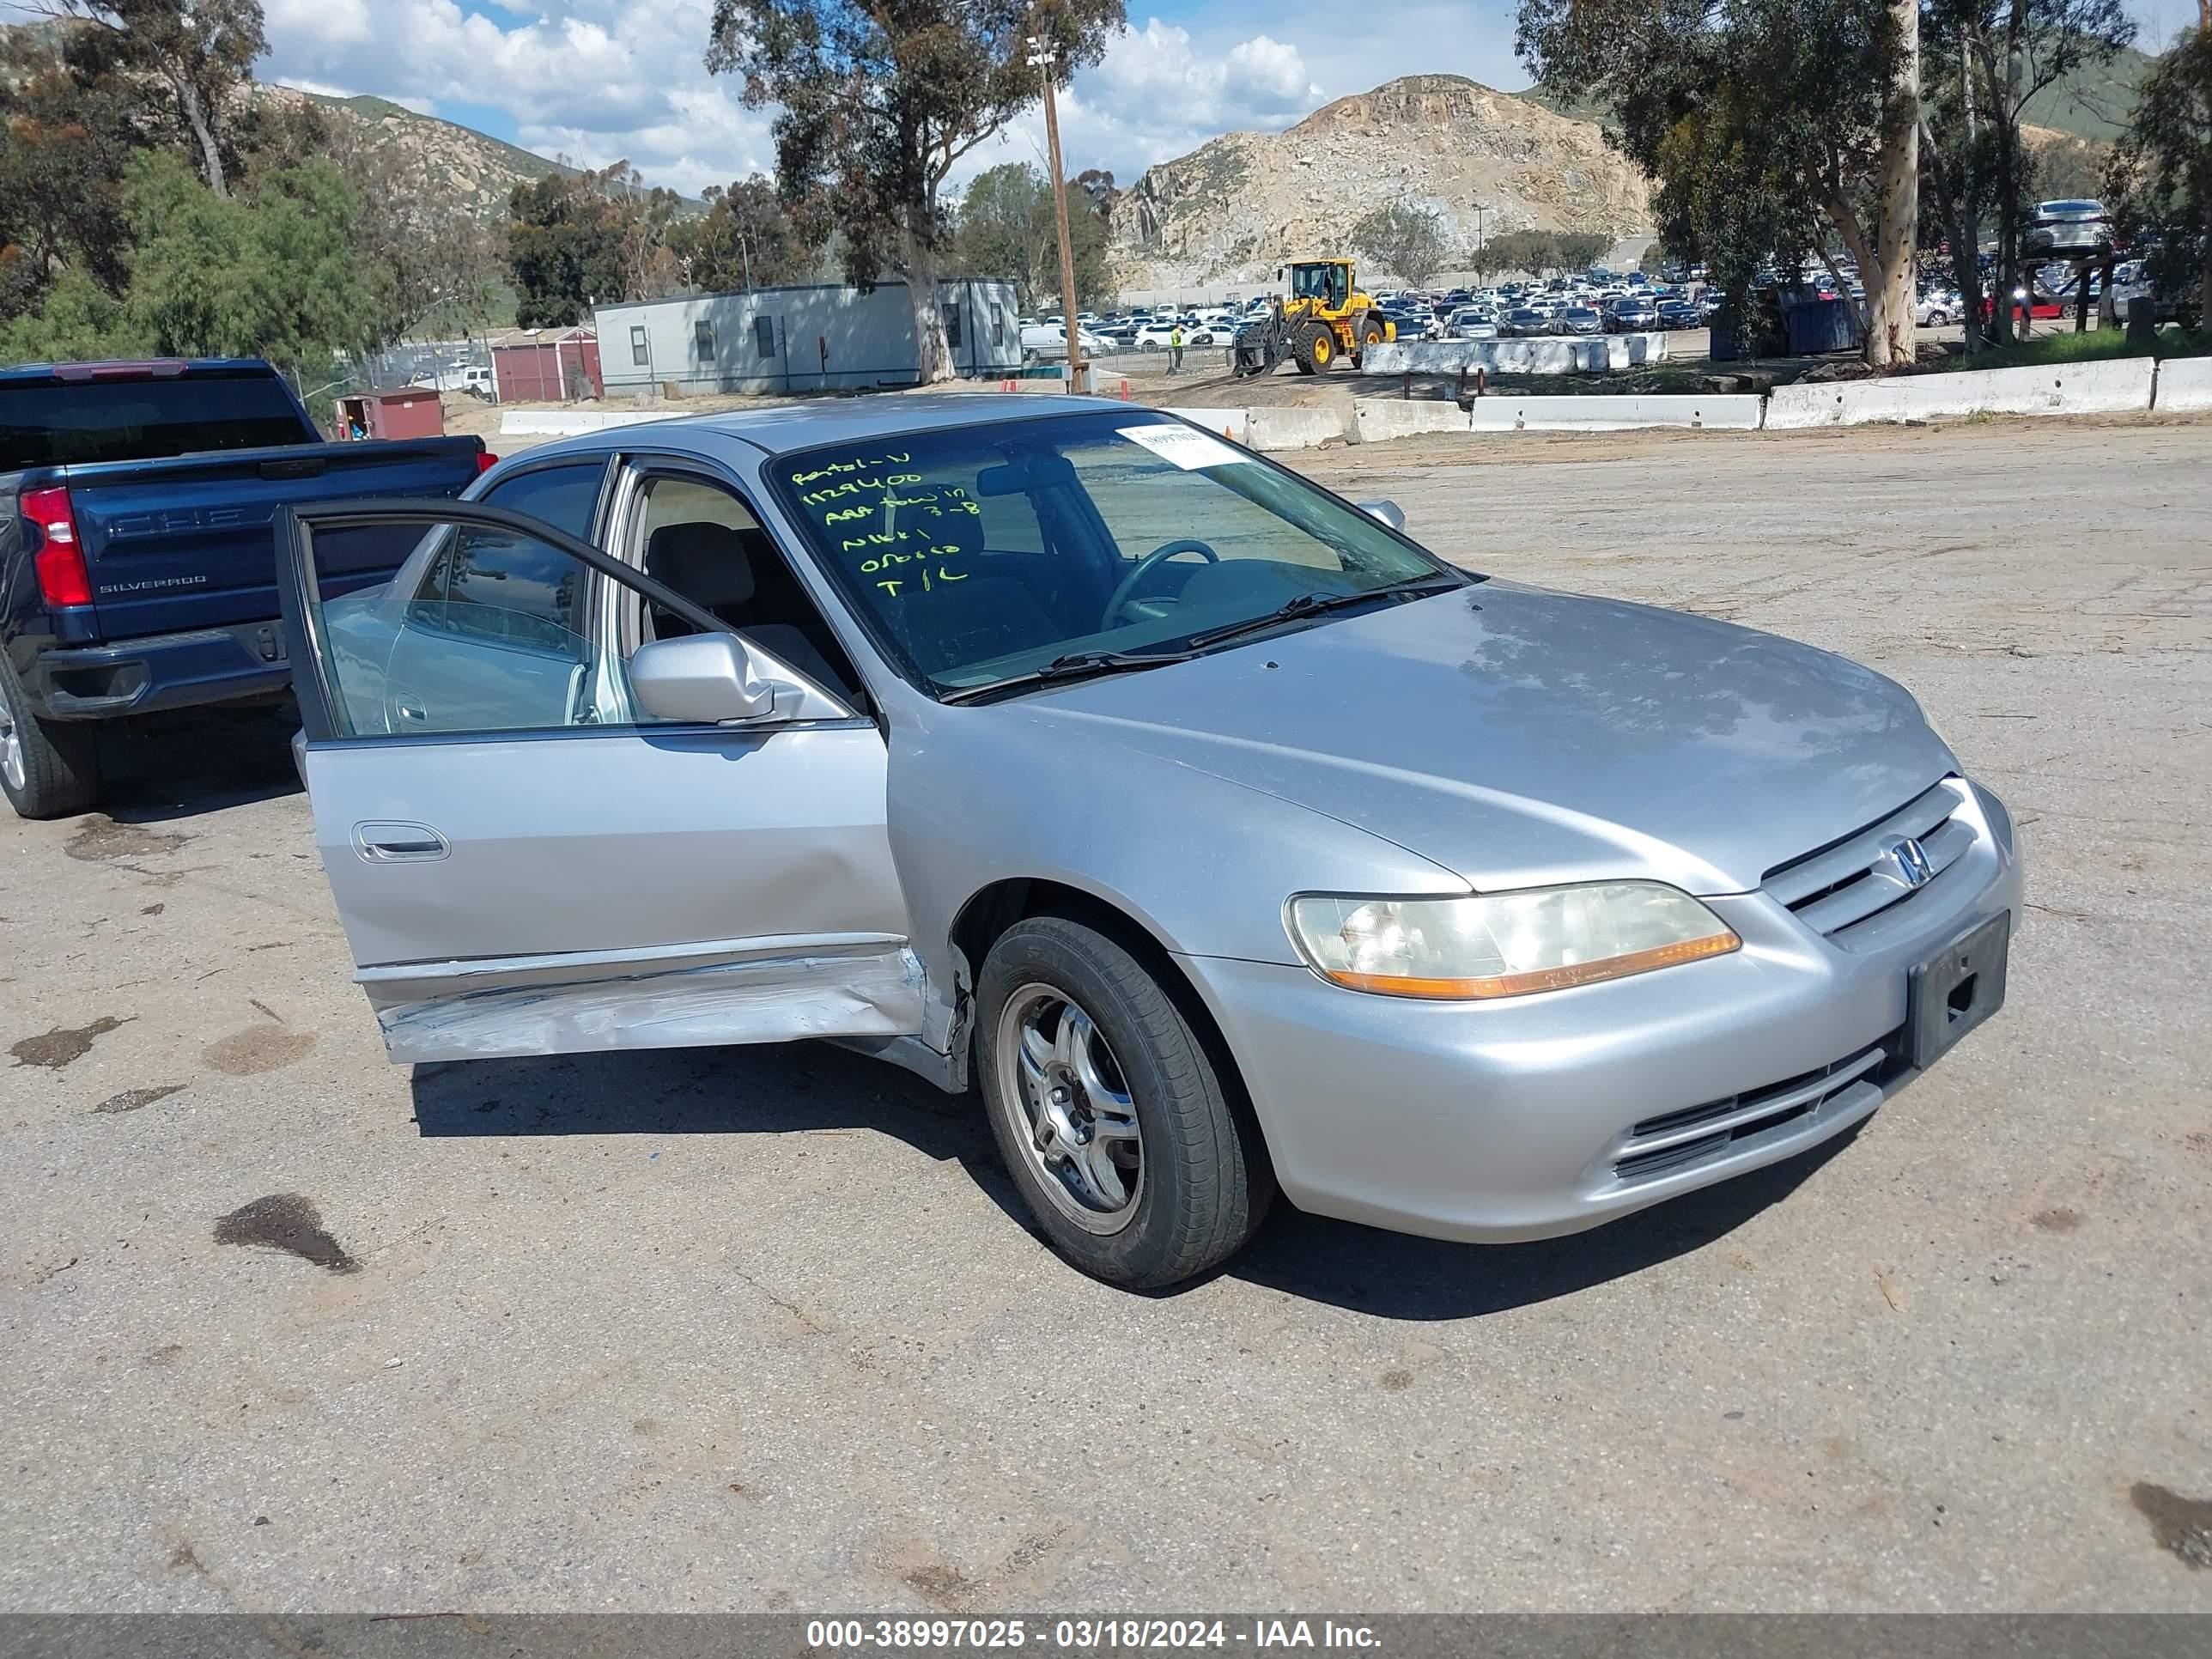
[399, 843]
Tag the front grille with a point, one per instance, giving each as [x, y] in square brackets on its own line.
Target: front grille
[1848, 883]
[1675, 1140]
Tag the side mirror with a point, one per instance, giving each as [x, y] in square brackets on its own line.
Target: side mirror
[1388, 511]
[701, 679]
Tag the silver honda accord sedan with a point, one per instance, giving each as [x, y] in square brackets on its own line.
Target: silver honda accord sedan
[1225, 840]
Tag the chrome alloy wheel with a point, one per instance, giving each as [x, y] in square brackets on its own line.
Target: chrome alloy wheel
[1072, 1113]
[11, 746]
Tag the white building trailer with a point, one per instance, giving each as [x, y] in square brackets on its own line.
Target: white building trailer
[817, 338]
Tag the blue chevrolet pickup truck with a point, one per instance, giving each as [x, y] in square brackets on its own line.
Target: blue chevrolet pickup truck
[138, 568]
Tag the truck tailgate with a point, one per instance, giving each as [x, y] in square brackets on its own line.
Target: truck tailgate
[184, 543]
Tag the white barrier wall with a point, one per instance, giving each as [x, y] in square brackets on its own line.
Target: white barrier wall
[1634, 350]
[1295, 429]
[2185, 385]
[1378, 420]
[1551, 355]
[1735, 412]
[1234, 424]
[2120, 387]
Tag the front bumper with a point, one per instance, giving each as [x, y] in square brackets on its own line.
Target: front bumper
[164, 671]
[1534, 1116]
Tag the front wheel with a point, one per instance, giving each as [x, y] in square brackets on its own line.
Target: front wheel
[1316, 347]
[1112, 1118]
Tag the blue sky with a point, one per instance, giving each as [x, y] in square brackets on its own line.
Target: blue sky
[594, 80]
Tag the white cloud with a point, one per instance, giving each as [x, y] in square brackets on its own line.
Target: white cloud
[1160, 92]
[595, 79]
[600, 80]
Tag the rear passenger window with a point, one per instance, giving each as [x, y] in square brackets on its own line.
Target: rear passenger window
[566, 497]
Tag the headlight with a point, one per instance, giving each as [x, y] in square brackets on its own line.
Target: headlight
[1505, 945]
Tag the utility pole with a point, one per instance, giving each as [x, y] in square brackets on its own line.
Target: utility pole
[1078, 375]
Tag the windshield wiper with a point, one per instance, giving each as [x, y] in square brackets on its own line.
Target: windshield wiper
[1076, 665]
[1314, 604]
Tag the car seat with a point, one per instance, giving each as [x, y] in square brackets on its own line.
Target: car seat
[737, 574]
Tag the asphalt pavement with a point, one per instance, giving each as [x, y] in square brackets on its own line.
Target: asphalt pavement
[288, 1329]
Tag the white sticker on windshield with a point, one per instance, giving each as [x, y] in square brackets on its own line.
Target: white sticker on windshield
[1189, 449]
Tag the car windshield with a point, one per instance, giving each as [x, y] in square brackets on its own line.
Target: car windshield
[980, 554]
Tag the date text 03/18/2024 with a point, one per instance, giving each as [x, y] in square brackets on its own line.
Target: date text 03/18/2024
[1089, 1635]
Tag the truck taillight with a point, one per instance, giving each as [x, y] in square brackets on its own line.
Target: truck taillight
[485, 461]
[60, 562]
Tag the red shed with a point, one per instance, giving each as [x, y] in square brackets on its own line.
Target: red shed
[547, 366]
[406, 411]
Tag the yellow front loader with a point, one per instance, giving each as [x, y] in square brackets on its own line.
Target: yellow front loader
[1324, 318]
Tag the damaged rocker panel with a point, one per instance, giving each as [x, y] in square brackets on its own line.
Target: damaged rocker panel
[753, 991]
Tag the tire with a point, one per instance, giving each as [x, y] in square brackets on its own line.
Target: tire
[1188, 1181]
[1316, 347]
[1938, 319]
[48, 769]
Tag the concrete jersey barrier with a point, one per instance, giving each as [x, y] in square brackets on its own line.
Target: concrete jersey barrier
[2185, 385]
[1735, 412]
[1233, 424]
[1377, 419]
[2121, 386]
[1548, 354]
[1295, 429]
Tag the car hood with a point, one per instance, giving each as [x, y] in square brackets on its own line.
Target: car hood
[1517, 736]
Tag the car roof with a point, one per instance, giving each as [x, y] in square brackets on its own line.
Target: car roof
[785, 428]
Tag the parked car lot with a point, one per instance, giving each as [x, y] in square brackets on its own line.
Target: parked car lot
[554, 1332]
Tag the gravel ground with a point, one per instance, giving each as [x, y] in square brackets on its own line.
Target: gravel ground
[734, 1328]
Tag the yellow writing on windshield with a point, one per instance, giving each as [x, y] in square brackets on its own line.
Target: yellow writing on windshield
[884, 561]
[834, 469]
[856, 486]
[893, 585]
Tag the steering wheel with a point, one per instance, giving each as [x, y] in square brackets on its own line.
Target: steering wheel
[1144, 568]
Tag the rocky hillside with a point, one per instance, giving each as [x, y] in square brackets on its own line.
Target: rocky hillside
[1238, 206]
[480, 169]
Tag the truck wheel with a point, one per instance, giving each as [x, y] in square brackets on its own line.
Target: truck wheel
[48, 769]
[1108, 1112]
[1316, 347]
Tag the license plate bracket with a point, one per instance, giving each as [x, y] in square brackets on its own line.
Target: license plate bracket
[1956, 989]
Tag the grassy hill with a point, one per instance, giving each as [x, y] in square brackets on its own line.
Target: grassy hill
[2094, 103]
